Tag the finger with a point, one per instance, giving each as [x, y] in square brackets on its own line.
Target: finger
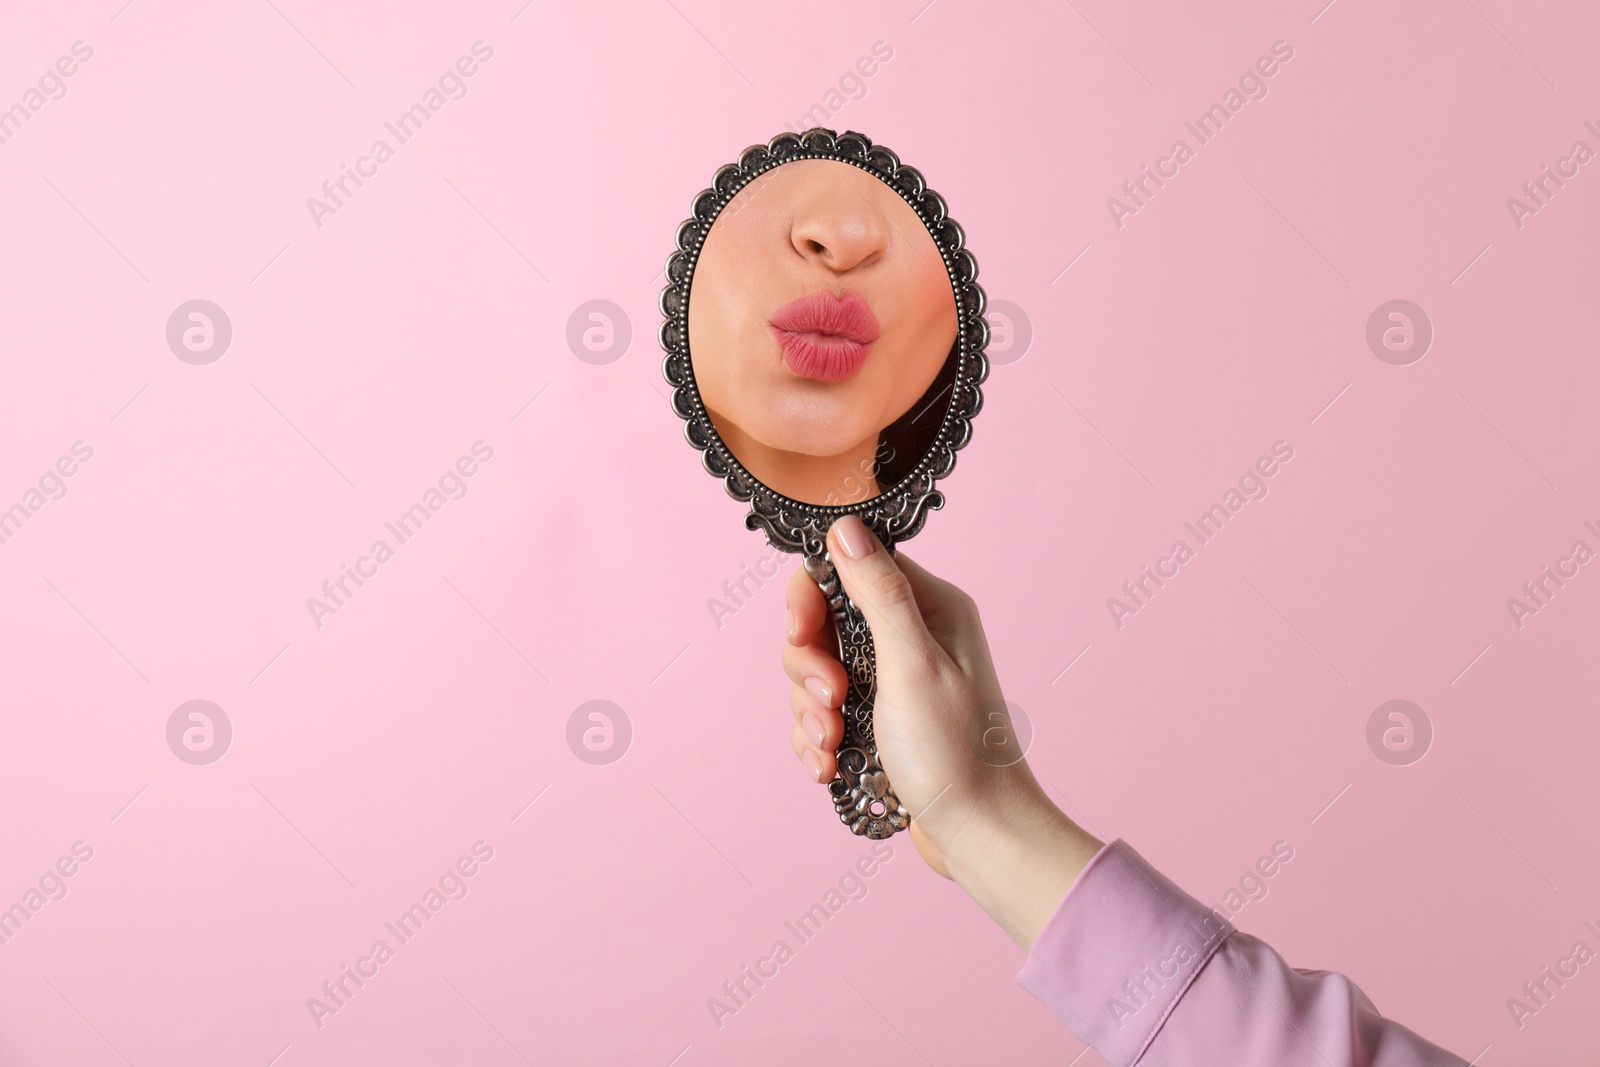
[823, 727]
[808, 611]
[880, 589]
[820, 765]
[819, 672]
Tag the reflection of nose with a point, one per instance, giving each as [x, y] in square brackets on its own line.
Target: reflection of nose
[839, 229]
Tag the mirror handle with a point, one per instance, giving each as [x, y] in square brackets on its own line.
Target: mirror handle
[862, 795]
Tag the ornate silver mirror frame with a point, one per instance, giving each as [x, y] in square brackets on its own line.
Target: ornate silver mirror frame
[862, 794]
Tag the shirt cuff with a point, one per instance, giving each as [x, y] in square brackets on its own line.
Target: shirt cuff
[1119, 952]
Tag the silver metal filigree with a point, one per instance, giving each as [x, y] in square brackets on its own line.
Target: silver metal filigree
[862, 794]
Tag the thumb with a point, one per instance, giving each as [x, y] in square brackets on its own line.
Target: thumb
[878, 586]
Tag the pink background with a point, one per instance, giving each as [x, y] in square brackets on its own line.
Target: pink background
[368, 354]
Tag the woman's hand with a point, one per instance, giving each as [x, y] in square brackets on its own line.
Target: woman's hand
[945, 740]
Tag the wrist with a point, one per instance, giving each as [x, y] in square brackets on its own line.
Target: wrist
[1017, 859]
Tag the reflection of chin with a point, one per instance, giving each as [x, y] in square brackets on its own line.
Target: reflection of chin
[798, 453]
[800, 461]
[815, 438]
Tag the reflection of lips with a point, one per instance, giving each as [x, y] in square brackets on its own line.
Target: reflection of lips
[825, 337]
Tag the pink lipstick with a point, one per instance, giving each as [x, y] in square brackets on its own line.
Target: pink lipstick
[825, 337]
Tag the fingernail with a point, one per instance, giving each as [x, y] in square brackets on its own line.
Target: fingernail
[813, 727]
[822, 693]
[853, 537]
[813, 764]
[791, 625]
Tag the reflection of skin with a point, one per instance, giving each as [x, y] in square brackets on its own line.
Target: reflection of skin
[806, 227]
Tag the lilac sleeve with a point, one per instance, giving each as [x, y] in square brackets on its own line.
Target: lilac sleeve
[1147, 975]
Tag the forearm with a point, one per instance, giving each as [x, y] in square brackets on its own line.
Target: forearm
[1018, 859]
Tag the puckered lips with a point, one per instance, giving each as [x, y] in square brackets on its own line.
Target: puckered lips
[825, 337]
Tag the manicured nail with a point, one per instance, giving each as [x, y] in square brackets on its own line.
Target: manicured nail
[813, 728]
[822, 693]
[791, 626]
[813, 764]
[853, 537]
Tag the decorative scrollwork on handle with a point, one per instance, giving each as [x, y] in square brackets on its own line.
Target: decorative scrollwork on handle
[862, 794]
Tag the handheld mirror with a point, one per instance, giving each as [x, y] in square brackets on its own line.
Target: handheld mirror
[824, 334]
